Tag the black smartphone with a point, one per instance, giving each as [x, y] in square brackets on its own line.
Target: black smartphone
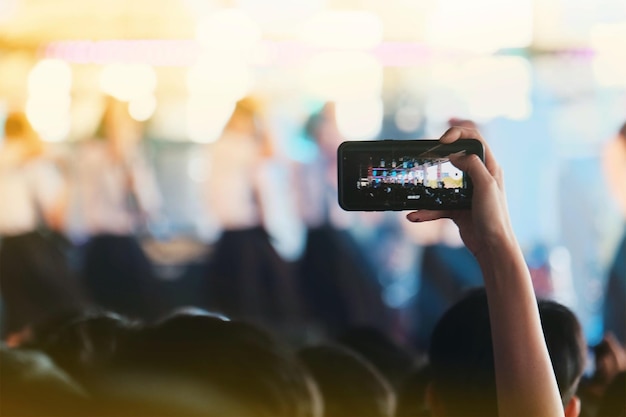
[388, 175]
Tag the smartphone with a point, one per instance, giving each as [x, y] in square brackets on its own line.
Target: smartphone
[389, 175]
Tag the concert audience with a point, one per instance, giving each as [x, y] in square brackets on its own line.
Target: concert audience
[33, 386]
[83, 345]
[349, 384]
[241, 362]
[496, 352]
[462, 361]
[393, 360]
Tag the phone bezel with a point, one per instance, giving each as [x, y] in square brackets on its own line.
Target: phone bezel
[414, 146]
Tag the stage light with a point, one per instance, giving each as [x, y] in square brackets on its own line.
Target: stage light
[8, 8]
[609, 62]
[206, 118]
[142, 108]
[480, 26]
[480, 89]
[348, 75]
[50, 77]
[228, 30]
[221, 81]
[343, 30]
[49, 101]
[128, 81]
[53, 104]
[609, 70]
[50, 117]
[359, 119]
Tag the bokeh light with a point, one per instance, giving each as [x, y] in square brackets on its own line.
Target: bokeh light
[142, 108]
[228, 30]
[128, 81]
[220, 81]
[338, 76]
[50, 76]
[49, 101]
[359, 119]
[206, 118]
[343, 30]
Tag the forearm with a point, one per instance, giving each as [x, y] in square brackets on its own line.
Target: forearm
[524, 376]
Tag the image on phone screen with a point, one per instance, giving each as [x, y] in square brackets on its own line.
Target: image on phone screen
[403, 175]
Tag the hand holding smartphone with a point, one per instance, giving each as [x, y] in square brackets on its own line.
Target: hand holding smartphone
[403, 175]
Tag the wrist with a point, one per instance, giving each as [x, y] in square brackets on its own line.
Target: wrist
[501, 259]
[496, 243]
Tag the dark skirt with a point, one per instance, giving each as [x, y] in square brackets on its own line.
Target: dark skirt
[247, 279]
[119, 276]
[338, 284]
[36, 283]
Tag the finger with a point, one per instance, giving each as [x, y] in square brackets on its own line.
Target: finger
[457, 132]
[427, 215]
[455, 121]
[472, 164]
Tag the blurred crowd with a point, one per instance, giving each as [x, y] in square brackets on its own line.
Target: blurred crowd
[88, 331]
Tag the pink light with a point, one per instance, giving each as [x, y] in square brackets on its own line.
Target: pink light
[177, 53]
[402, 54]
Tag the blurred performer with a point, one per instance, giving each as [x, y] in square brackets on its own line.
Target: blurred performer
[614, 160]
[35, 281]
[112, 197]
[338, 280]
[246, 276]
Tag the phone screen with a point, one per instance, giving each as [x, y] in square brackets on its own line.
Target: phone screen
[403, 175]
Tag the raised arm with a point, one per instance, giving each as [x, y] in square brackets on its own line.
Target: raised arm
[526, 385]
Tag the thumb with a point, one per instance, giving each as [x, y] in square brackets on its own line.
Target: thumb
[473, 165]
[427, 215]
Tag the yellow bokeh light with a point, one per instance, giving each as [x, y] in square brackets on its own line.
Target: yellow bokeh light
[609, 64]
[206, 118]
[128, 81]
[142, 108]
[349, 75]
[50, 117]
[50, 76]
[481, 89]
[480, 26]
[359, 119]
[228, 30]
[343, 29]
[221, 81]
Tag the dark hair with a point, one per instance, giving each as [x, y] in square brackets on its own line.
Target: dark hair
[566, 346]
[461, 353]
[391, 359]
[461, 358]
[613, 403]
[350, 385]
[241, 361]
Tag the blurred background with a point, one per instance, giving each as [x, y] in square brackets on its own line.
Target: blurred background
[544, 80]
